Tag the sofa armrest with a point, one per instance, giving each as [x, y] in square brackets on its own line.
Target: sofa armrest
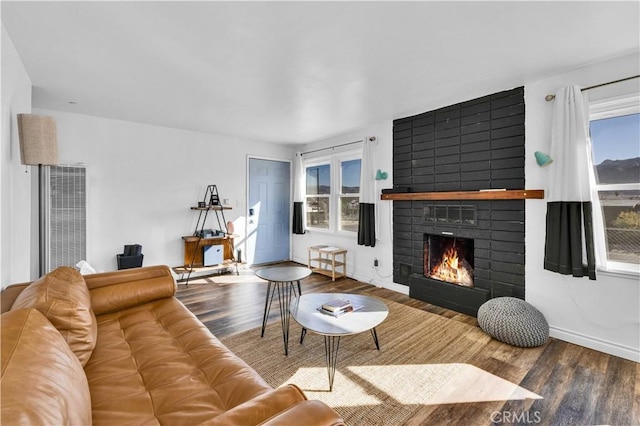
[117, 290]
[262, 407]
[306, 413]
[9, 295]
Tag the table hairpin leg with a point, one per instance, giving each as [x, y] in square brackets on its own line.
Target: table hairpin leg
[267, 306]
[284, 297]
[331, 346]
[285, 291]
[375, 338]
[304, 330]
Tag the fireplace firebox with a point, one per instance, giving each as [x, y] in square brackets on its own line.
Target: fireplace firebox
[448, 258]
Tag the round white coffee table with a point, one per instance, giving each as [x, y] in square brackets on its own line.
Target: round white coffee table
[284, 279]
[369, 313]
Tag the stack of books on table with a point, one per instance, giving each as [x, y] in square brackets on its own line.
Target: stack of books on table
[338, 307]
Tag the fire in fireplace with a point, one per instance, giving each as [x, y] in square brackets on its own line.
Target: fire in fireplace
[449, 259]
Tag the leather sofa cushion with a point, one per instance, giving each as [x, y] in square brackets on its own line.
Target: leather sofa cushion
[43, 382]
[63, 297]
[157, 363]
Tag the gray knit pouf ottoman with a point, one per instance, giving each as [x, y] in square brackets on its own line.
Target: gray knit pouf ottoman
[513, 321]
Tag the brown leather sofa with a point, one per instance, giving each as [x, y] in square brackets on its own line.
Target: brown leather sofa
[118, 348]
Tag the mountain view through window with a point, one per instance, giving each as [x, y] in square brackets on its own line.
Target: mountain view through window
[616, 156]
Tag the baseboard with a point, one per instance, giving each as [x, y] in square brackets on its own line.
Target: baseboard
[590, 342]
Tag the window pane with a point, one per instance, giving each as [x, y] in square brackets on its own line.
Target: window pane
[621, 211]
[318, 212]
[350, 177]
[319, 180]
[349, 213]
[616, 149]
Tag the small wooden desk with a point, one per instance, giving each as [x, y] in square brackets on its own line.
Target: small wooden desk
[193, 248]
[194, 255]
[322, 259]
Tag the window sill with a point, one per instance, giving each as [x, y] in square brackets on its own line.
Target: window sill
[343, 234]
[322, 230]
[620, 271]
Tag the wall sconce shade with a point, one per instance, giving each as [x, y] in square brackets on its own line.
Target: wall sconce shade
[38, 139]
[542, 159]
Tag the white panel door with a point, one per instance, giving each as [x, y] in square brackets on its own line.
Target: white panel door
[268, 211]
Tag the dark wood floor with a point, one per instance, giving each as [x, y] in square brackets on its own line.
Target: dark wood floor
[579, 386]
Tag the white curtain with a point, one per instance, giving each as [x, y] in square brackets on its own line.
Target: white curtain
[368, 172]
[298, 179]
[569, 242]
[367, 219]
[570, 148]
[298, 195]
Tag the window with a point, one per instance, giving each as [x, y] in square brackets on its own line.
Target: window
[615, 143]
[318, 196]
[349, 195]
[333, 192]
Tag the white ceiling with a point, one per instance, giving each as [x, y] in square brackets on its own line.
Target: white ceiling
[297, 72]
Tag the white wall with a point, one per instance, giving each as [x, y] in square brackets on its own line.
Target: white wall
[360, 258]
[15, 186]
[142, 179]
[602, 314]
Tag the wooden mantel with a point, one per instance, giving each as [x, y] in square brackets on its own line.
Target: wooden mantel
[510, 194]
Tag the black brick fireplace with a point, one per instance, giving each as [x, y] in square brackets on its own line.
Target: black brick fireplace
[473, 146]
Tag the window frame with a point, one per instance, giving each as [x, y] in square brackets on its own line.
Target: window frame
[334, 160]
[316, 162]
[599, 109]
[340, 195]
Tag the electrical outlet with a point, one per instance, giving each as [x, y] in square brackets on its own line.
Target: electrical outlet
[375, 263]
